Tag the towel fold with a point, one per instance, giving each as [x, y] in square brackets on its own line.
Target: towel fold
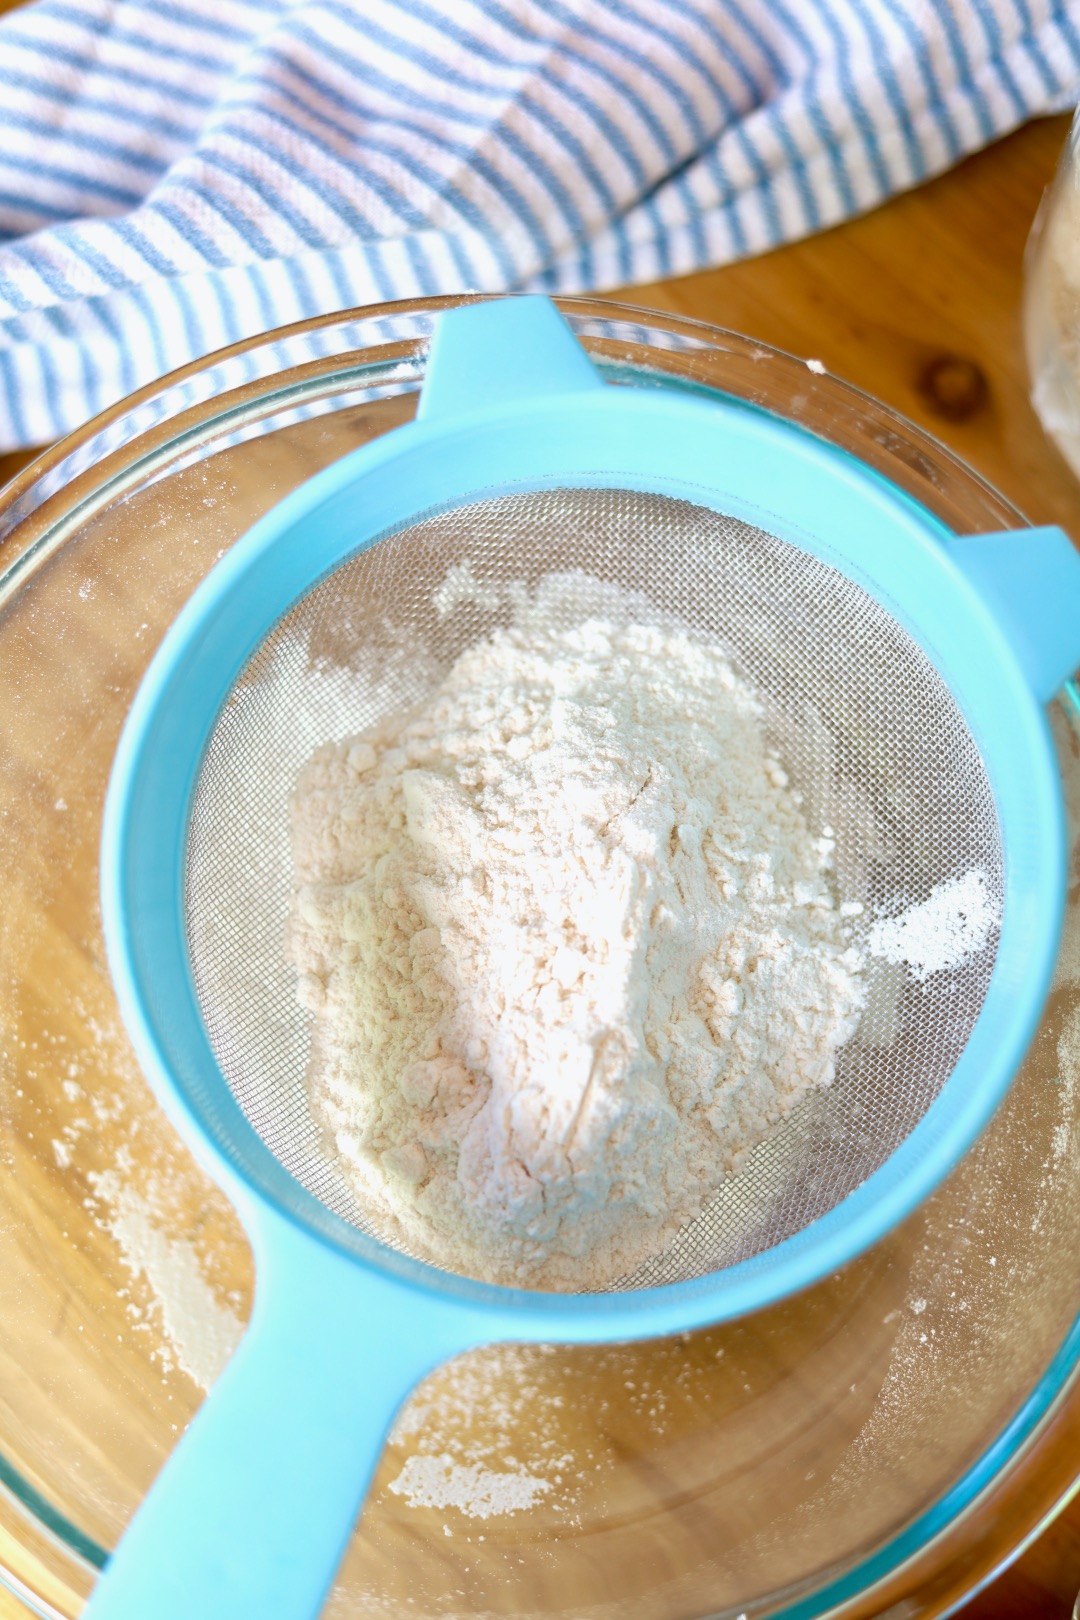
[179, 174]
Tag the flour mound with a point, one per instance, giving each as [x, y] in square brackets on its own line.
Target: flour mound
[570, 947]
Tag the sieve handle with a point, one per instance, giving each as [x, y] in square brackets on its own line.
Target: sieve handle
[251, 1514]
[491, 354]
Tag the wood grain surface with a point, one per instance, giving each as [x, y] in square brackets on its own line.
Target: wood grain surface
[918, 303]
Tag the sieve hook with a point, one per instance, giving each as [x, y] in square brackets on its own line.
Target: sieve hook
[497, 352]
[1030, 581]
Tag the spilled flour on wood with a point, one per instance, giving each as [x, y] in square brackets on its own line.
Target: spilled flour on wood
[202, 1332]
[152, 1202]
[478, 1492]
[485, 1434]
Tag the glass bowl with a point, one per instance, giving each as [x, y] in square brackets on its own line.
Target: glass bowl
[829, 1456]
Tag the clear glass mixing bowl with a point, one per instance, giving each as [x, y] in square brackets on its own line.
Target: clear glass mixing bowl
[839, 1454]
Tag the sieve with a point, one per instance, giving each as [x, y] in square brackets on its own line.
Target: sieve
[901, 671]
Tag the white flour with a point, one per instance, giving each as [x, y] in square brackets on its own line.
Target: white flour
[202, 1332]
[570, 947]
[478, 1492]
[940, 932]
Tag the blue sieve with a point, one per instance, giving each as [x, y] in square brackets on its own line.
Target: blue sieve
[902, 671]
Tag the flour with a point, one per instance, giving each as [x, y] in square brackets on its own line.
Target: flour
[570, 946]
[478, 1492]
[461, 586]
[201, 1332]
[940, 932]
[127, 1173]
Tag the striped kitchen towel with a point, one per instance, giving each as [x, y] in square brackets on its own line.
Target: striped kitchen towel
[178, 174]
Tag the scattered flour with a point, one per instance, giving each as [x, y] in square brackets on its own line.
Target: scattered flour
[461, 586]
[499, 1425]
[440, 1482]
[202, 1333]
[940, 932]
[570, 946]
[137, 1184]
[1063, 1143]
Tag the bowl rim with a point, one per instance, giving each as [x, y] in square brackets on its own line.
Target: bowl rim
[1043, 1415]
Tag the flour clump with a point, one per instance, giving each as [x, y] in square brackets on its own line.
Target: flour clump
[570, 947]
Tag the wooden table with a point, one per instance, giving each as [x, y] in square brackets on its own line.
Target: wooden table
[918, 303]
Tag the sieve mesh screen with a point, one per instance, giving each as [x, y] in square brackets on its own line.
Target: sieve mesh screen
[867, 729]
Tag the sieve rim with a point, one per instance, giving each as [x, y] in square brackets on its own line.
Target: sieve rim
[163, 728]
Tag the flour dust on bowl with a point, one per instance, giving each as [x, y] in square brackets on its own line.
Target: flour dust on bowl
[898, 672]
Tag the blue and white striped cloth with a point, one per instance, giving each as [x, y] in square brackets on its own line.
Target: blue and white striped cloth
[178, 174]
